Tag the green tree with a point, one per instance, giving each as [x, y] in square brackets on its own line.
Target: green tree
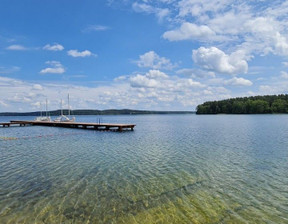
[239, 107]
[279, 106]
[259, 107]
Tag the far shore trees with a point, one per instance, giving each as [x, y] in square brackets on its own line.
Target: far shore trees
[246, 105]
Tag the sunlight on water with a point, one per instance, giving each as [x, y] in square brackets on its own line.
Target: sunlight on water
[171, 169]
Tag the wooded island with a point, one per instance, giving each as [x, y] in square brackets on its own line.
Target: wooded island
[246, 105]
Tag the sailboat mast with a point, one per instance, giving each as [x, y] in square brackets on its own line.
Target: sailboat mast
[40, 109]
[46, 109]
[68, 105]
[61, 108]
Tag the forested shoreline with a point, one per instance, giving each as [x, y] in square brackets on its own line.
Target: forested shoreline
[95, 112]
[246, 105]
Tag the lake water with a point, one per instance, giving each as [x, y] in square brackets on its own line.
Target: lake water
[170, 169]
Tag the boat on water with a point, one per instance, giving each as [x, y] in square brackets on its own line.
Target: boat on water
[43, 118]
[64, 118]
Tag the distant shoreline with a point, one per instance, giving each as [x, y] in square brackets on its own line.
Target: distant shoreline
[268, 104]
[95, 112]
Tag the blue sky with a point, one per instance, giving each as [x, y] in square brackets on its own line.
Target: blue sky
[155, 55]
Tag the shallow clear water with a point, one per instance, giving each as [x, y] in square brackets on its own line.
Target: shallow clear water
[170, 169]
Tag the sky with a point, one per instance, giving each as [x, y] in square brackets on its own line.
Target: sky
[140, 54]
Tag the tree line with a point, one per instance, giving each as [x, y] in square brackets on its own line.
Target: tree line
[94, 112]
[246, 105]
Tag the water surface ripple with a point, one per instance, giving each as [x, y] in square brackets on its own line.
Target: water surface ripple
[171, 169]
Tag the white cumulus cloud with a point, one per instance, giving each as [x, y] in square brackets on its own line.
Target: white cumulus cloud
[190, 31]
[152, 79]
[238, 82]
[55, 68]
[76, 53]
[265, 35]
[143, 81]
[55, 47]
[16, 47]
[161, 82]
[281, 44]
[188, 83]
[154, 61]
[216, 60]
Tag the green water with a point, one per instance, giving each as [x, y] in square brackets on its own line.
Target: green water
[171, 169]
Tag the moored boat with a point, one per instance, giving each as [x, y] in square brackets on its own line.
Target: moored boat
[62, 117]
[43, 118]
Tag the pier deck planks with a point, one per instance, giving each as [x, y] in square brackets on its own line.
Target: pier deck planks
[83, 125]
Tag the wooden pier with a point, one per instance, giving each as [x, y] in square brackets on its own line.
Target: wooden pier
[82, 125]
[8, 124]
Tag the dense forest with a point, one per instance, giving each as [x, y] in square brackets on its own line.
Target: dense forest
[246, 105]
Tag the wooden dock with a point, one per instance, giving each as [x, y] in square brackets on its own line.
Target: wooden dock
[82, 125]
[8, 124]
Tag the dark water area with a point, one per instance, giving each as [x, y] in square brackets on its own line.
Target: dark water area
[170, 169]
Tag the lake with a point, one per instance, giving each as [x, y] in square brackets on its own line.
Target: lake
[170, 169]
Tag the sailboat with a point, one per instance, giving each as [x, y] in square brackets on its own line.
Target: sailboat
[43, 118]
[62, 117]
